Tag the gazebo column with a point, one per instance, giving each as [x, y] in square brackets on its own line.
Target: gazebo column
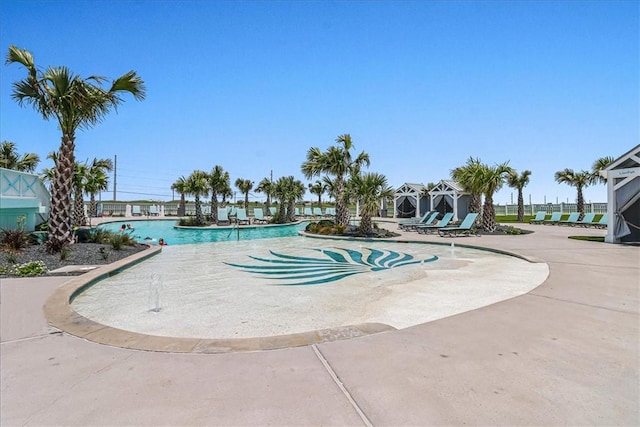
[455, 206]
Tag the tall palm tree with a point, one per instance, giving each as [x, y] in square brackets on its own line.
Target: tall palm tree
[370, 189]
[490, 179]
[466, 176]
[198, 185]
[338, 163]
[598, 166]
[280, 192]
[97, 180]
[519, 181]
[218, 183]
[181, 186]
[10, 159]
[580, 180]
[76, 103]
[318, 188]
[244, 185]
[266, 186]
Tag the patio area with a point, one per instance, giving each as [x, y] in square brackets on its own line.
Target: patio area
[566, 353]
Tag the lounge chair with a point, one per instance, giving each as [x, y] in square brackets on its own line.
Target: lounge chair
[429, 221]
[317, 212]
[223, 217]
[241, 217]
[272, 210]
[587, 220]
[296, 212]
[258, 216]
[601, 223]
[414, 220]
[463, 229]
[555, 217]
[572, 220]
[308, 212]
[135, 210]
[426, 229]
[153, 210]
[540, 216]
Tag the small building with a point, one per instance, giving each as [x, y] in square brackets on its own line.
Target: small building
[449, 196]
[623, 198]
[23, 199]
[410, 200]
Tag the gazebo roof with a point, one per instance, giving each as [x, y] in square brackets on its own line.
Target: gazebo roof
[630, 159]
[447, 186]
[409, 188]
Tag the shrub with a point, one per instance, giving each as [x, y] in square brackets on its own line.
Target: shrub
[43, 226]
[11, 256]
[118, 241]
[512, 230]
[188, 221]
[30, 269]
[99, 235]
[14, 240]
[54, 246]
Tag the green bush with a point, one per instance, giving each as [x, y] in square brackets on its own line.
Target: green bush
[30, 269]
[118, 241]
[99, 235]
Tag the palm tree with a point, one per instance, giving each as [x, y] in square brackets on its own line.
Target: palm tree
[96, 180]
[198, 185]
[490, 179]
[338, 163]
[244, 185]
[266, 186]
[80, 171]
[519, 181]
[318, 188]
[370, 189]
[599, 165]
[580, 180]
[218, 183]
[180, 186]
[280, 192]
[466, 177]
[76, 103]
[10, 159]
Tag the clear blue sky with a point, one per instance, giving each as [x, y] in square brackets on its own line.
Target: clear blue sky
[419, 85]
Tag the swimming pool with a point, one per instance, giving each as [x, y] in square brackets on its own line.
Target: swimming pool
[167, 230]
[288, 285]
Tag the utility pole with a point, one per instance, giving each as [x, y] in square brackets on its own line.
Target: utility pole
[115, 175]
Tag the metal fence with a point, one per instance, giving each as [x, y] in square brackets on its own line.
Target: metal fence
[597, 208]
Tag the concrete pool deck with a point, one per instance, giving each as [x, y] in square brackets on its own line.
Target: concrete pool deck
[566, 353]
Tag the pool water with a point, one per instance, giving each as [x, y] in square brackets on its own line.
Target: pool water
[152, 231]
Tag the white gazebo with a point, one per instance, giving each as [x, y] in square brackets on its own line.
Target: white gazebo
[449, 196]
[410, 200]
[623, 198]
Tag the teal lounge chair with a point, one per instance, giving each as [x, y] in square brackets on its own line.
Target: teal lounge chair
[572, 220]
[426, 229]
[153, 210]
[135, 210]
[308, 212]
[258, 216]
[602, 222]
[463, 229]
[223, 217]
[428, 221]
[317, 212]
[587, 220]
[412, 221]
[297, 212]
[555, 217]
[272, 211]
[540, 216]
[241, 217]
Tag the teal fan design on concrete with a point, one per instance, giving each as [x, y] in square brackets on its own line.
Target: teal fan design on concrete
[336, 264]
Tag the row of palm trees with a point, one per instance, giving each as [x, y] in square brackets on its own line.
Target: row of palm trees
[481, 180]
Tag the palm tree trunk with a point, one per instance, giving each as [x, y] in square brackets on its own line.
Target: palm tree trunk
[281, 213]
[93, 207]
[199, 218]
[580, 203]
[520, 206]
[365, 223]
[246, 200]
[214, 208]
[488, 215]
[60, 232]
[475, 205]
[343, 216]
[291, 208]
[78, 208]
